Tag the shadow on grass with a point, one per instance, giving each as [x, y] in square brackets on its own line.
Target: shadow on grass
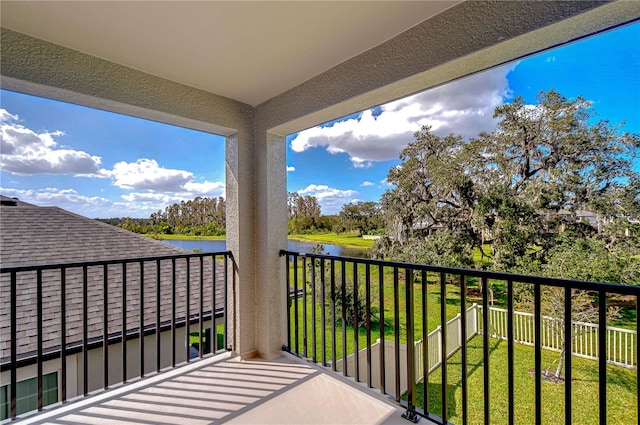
[435, 398]
[434, 392]
[616, 375]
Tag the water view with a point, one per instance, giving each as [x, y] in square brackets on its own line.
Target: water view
[297, 246]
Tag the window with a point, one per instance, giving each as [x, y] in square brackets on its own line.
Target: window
[27, 394]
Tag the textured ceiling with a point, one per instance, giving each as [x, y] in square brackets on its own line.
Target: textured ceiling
[247, 51]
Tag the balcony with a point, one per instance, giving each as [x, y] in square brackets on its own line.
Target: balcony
[103, 373]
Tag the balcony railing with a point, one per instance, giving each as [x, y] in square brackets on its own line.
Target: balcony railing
[88, 320]
[393, 326]
[368, 319]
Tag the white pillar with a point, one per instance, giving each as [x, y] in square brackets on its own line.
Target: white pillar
[240, 225]
[256, 232]
[271, 235]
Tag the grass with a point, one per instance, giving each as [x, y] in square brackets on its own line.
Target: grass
[621, 388]
[433, 311]
[347, 240]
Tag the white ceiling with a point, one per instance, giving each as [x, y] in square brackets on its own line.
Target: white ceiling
[248, 51]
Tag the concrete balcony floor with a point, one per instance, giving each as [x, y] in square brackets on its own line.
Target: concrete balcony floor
[227, 390]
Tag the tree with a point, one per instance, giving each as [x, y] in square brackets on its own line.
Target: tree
[304, 213]
[583, 309]
[505, 189]
[199, 216]
[364, 217]
[346, 301]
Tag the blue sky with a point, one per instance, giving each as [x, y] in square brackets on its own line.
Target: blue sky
[101, 164]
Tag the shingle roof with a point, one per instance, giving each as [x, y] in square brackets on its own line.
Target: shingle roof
[32, 235]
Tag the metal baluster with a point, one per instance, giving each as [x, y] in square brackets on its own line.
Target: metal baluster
[396, 313]
[410, 413]
[39, 333]
[63, 331]
[463, 317]
[602, 359]
[141, 320]
[445, 352]
[124, 322]
[485, 348]
[105, 325]
[568, 354]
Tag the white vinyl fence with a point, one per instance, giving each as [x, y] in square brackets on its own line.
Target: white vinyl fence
[454, 340]
[621, 349]
[621, 343]
[434, 353]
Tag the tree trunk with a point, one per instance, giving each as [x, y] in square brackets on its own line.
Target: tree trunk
[560, 362]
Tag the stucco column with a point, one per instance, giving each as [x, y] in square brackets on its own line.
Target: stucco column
[256, 232]
[271, 234]
[240, 226]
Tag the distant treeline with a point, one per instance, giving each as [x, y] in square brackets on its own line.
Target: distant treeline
[197, 217]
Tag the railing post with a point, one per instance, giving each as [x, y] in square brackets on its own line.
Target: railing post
[332, 277]
[443, 346]
[538, 352]
[14, 346]
[294, 300]
[410, 414]
[425, 343]
[602, 359]
[463, 342]
[510, 353]
[288, 292]
[568, 350]
[396, 314]
[312, 263]
[485, 348]
[382, 365]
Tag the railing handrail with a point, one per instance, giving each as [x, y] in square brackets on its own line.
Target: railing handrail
[74, 264]
[535, 280]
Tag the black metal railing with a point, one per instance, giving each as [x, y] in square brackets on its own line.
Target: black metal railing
[329, 295]
[50, 312]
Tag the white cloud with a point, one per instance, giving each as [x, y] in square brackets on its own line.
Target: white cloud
[330, 199]
[207, 188]
[290, 168]
[71, 200]
[133, 204]
[147, 174]
[5, 116]
[367, 184]
[26, 152]
[150, 202]
[463, 107]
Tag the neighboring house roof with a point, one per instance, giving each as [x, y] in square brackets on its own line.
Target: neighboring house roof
[33, 235]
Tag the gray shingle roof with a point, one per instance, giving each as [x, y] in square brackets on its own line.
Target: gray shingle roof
[32, 235]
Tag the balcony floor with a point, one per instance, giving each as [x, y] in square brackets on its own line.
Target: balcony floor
[226, 390]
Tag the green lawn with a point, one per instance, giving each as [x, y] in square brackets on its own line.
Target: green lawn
[348, 240]
[452, 307]
[621, 388]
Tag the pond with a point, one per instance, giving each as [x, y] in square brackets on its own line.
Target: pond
[296, 246]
